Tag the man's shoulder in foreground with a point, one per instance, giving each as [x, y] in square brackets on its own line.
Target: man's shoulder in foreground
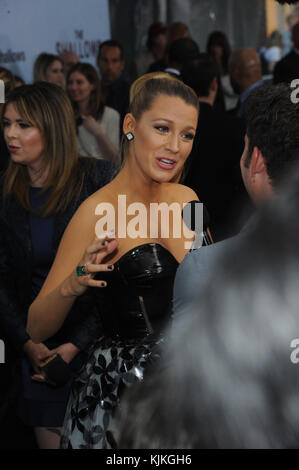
[194, 271]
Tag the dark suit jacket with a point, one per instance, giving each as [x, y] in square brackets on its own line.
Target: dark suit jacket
[213, 170]
[81, 325]
[287, 69]
[117, 97]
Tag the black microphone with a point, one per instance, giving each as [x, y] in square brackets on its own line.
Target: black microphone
[191, 215]
[207, 239]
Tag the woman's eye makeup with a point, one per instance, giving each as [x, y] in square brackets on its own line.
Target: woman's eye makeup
[22, 125]
[188, 136]
[162, 128]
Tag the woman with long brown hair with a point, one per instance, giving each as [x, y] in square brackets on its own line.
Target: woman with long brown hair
[45, 182]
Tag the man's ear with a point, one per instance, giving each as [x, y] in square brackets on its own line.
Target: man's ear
[129, 123]
[260, 184]
[257, 163]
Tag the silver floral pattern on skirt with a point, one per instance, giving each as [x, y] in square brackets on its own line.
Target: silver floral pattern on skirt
[112, 365]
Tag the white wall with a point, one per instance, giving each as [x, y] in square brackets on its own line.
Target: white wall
[29, 27]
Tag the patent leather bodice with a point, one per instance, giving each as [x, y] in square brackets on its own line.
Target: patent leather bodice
[137, 299]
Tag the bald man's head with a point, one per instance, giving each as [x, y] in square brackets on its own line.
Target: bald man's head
[247, 60]
[245, 68]
[178, 30]
[69, 59]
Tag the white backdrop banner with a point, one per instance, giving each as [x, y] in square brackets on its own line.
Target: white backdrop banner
[29, 27]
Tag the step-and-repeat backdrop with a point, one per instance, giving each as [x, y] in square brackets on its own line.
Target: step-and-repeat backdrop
[29, 27]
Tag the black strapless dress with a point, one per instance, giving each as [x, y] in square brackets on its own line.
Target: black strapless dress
[135, 308]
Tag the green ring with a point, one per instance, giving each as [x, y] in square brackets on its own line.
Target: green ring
[80, 270]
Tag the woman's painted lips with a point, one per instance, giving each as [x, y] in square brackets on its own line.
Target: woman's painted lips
[166, 163]
[12, 148]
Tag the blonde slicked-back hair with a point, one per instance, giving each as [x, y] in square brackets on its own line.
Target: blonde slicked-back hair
[47, 107]
[140, 82]
[147, 88]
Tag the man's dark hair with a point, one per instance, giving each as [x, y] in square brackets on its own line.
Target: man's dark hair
[200, 73]
[181, 51]
[290, 2]
[272, 123]
[111, 43]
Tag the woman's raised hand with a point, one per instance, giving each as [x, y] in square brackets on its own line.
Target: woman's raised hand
[90, 264]
[91, 125]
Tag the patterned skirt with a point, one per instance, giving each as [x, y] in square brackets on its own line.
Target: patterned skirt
[112, 365]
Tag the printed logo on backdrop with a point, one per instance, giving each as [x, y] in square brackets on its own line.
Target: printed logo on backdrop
[84, 48]
[11, 57]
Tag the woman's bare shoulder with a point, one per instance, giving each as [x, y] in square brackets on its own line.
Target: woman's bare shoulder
[180, 192]
[102, 195]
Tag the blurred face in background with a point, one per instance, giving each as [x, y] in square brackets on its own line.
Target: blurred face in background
[79, 88]
[110, 64]
[159, 44]
[54, 73]
[217, 52]
[69, 59]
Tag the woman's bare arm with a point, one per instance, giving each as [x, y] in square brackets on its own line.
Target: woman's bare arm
[50, 308]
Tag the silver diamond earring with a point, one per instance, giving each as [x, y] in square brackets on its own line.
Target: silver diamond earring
[129, 136]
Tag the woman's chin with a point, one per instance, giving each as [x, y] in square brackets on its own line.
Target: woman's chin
[163, 178]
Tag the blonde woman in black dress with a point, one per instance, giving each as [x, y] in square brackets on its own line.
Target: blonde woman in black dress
[132, 291]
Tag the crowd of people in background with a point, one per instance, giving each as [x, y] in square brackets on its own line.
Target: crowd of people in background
[82, 133]
[100, 97]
